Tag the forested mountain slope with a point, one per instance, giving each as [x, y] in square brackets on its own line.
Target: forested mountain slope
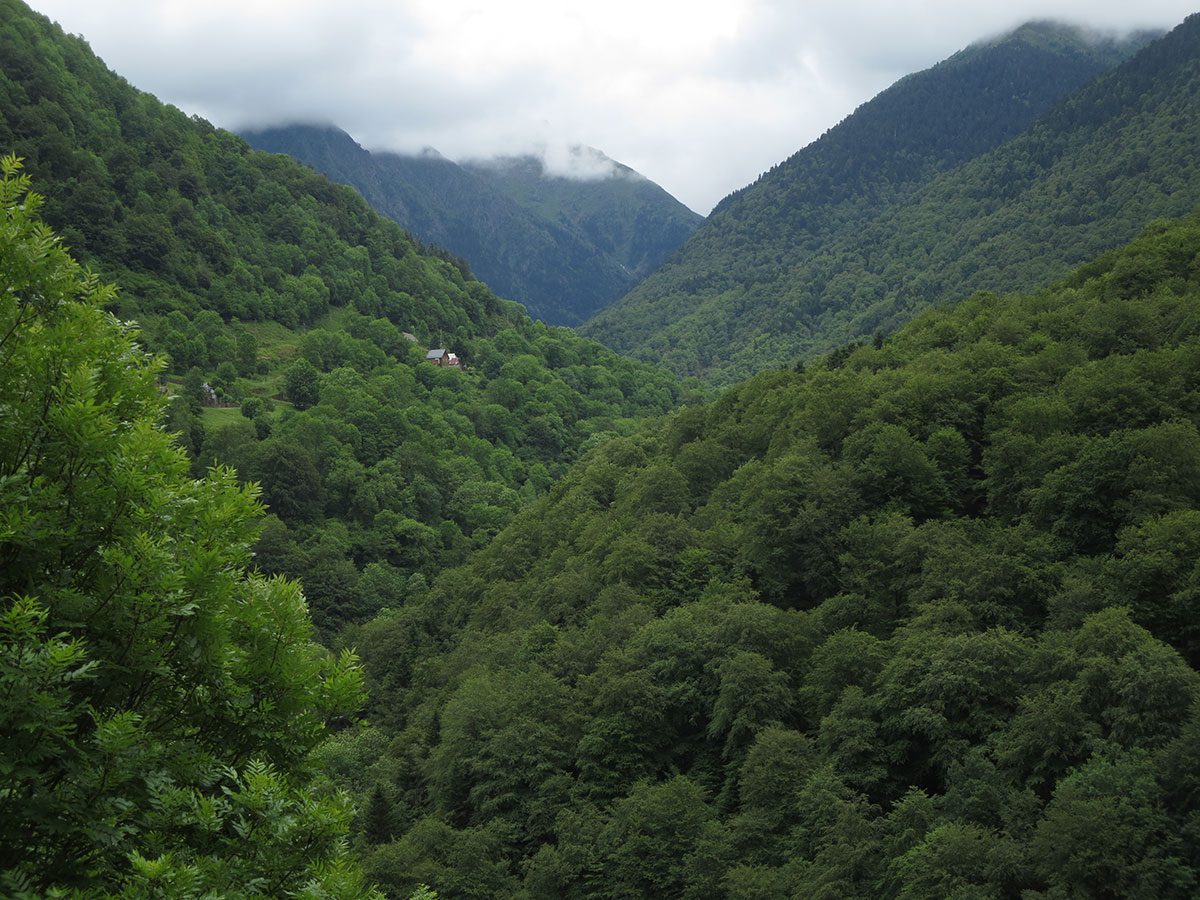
[190, 218]
[625, 214]
[917, 621]
[791, 264]
[565, 248]
[289, 297]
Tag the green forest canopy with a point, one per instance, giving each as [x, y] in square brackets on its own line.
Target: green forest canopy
[292, 299]
[917, 621]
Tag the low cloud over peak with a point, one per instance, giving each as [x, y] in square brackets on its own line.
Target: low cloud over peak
[699, 95]
[574, 162]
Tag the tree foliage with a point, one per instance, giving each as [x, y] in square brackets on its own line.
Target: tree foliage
[159, 699]
[913, 622]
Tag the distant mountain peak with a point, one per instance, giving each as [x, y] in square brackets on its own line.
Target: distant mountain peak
[299, 125]
[928, 191]
[276, 138]
[565, 230]
[424, 153]
[573, 162]
[1056, 34]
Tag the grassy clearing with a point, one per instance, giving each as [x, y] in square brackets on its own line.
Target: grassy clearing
[216, 416]
[269, 385]
[276, 343]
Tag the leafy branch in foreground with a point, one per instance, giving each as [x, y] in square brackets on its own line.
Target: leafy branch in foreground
[158, 701]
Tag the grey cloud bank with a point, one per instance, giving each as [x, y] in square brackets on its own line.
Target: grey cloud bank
[699, 96]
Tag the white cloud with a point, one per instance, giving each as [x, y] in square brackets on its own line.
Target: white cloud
[699, 95]
[572, 161]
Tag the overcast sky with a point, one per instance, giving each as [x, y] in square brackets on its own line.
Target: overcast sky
[699, 95]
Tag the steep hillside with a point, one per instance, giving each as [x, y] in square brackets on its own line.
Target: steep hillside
[630, 218]
[564, 259]
[743, 293]
[917, 621]
[188, 217]
[296, 320]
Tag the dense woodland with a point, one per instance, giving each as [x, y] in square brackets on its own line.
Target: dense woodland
[941, 185]
[917, 621]
[916, 618]
[565, 248]
[290, 298]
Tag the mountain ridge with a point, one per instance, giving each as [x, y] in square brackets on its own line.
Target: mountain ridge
[635, 221]
[698, 310]
[917, 618]
[564, 263]
[293, 322]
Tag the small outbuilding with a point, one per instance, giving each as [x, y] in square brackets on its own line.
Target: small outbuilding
[443, 357]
